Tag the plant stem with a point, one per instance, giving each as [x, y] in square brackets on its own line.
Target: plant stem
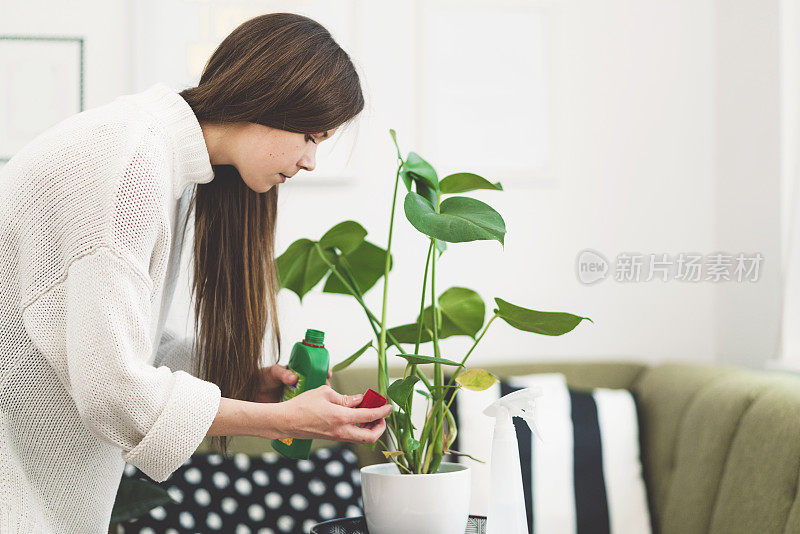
[420, 321]
[438, 434]
[393, 459]
[383, 374]
[356, 293]
[426, 429]
[477, 340]
[452, 429]
[422, 299]
[437, 367]
[423, 439]
[350, 285]
[410, 472]
[360, 298]
[430, 460]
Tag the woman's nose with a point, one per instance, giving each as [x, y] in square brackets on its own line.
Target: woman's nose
[308, 161]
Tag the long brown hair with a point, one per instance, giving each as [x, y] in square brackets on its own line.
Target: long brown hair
[285, 71]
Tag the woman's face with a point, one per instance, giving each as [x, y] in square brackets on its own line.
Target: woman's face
[262, 154]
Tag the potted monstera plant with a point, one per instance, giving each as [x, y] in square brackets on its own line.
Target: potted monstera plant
[136, 497]
[416, 491]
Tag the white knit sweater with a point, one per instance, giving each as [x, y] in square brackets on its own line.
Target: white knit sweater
[88, 259]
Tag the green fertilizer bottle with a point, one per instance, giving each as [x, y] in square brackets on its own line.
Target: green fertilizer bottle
[309, 361]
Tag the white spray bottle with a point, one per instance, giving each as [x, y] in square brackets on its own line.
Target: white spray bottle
[506, 498]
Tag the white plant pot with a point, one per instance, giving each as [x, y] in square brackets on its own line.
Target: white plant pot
[423, 504]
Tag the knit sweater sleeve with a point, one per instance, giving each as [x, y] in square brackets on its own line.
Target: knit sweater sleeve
[176, 352]
[156, 416]
[92, 271]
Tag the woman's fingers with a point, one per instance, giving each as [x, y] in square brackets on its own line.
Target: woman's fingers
[358, 415]
[328, 381]
[284, 374]
[367, 415]
[324, 413]
[348, 401]
[367, 434]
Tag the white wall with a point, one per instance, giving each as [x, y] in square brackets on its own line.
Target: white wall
[748, 175]
[635, 172]
[104, 25]
[788, 350]
[665, 140]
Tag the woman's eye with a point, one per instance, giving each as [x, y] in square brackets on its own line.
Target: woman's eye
[309, 138]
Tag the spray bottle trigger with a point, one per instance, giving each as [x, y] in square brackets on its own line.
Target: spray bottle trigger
[534, 428]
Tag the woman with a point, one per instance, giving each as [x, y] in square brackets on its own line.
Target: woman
[90, 241]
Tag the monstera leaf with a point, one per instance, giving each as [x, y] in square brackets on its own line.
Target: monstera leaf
[461, 313]
[416, 169]
[546, 323]
[366, 263]
[344, 246]
[349, 360]
[459, 219]
[137, 497]
[462, 182]
[301, 268]
[476, 379]
[346, 236]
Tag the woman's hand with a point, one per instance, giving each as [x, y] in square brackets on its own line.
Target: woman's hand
[272, 381]
[322, 413]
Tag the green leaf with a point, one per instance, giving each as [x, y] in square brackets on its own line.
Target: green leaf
[346, 236]
[457, 453]
[407, 417]
[416, 169]
[430, 194]
[394, 138]
[463, 311]
[424, 393]
[461, 182]
[367, 264]
[346, 363]
[441, 246]
[460, 219]
[547, 323]
[400, 390]
[420, 359]
[407, 333]
[476, 379]
[464, 308]
[411, 444]
[406, 180]
[136, 497]
[300, 268]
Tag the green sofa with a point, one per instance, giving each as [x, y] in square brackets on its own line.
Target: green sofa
[721, 449]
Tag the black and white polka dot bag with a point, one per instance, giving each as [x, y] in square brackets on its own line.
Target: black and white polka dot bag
[265, 494]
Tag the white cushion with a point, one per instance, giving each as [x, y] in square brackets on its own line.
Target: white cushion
[610, 487]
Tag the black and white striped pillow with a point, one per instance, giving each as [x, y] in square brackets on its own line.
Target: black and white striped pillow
[586, 475]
